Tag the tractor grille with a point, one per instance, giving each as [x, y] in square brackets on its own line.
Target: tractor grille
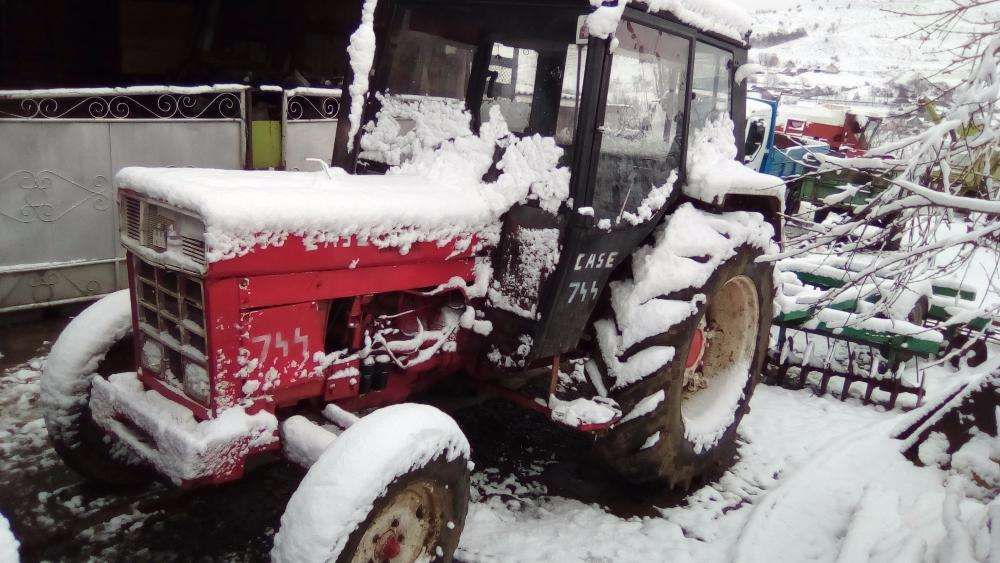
[171, 319]
[133, 216]
[145, 224]
[194, 249]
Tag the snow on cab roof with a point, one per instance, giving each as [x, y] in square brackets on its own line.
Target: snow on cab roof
[721, 17]
[715, 16]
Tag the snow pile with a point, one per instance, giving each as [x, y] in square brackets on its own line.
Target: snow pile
[899, 513]
[716, 16]
[437, 196]
[361, 51]
[340, 489]
[304, 441]
[675, 260]
[834, 319]
[793, 295]
[123, 91]
[529, 168]
[580, 411]
[8, 544]
[645, 406]
[181, 448]
[979, 461]
[65, 385]
[710, 411]
[712, 169]
[653, 202]
[687, 250]
[408, 125]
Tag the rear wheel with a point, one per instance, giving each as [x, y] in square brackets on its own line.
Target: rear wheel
[684, 415]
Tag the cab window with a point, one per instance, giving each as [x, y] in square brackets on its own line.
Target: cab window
[711, 85]
[526, 60]
[536, 91]
[427, 64]
[642, 136]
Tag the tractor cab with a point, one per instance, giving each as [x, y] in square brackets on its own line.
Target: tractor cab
[621, 111]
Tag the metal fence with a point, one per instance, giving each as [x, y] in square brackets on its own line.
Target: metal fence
[59, 151]
[309, 125]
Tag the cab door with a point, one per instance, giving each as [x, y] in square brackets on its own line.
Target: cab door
[629, 161]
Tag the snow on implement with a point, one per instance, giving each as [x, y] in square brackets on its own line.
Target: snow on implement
[926, 323]
[562, 223]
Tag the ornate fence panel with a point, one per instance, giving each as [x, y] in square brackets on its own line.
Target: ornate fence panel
[309, 125]
[59, 151]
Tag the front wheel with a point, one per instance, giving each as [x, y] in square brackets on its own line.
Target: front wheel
[682, 418]
[97, 343]
[393, 487]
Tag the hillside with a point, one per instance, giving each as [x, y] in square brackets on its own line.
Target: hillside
[851, 49]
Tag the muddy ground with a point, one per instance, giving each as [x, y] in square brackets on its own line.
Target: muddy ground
[58, 517]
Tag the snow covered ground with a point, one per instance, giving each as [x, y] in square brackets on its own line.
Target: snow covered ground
[816, 479]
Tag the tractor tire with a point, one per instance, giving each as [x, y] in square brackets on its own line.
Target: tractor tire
[404, 500]
[687, 418]
[97, 343]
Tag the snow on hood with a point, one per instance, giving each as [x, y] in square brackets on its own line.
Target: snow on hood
[722, 17]
[439, 195]
[712, 169]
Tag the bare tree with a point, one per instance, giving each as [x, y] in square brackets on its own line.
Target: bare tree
[935, 193]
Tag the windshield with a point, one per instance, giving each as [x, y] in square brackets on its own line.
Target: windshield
[449, 65]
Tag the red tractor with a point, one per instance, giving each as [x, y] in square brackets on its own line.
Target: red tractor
[849, 134]
[520, 212]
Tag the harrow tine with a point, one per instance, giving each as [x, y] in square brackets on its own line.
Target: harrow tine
[847, 376]
[872, 378]
[826, 371]
[806, 357]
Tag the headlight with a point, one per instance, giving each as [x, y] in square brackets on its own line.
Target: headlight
[152, 355]
[196, 382]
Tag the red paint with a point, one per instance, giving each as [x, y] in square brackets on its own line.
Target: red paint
[847, 137]
[696, 349]
[390, 548]
[531, 404]
[283, 340]
[265, 291]
[278, 299]
[294, 256]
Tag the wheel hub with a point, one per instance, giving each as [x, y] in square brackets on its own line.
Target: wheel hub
[696, 350]
[407, 528]
[388, 547]
[719, 357]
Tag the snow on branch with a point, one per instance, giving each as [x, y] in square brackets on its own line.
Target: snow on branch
[930, 203]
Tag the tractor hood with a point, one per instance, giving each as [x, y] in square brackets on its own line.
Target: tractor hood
[242, 210]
